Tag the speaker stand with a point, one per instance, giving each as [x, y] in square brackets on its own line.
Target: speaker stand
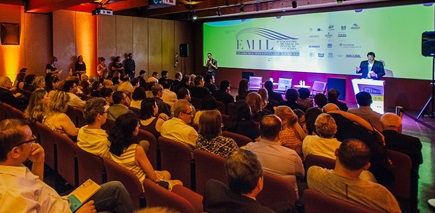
[430, 101]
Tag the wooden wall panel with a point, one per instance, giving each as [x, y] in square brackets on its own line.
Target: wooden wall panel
[37, 29]
[124, 35]
[155, 45]
[85, 31]
[140, 47]
[168, 51]
[106, 38]
[183, 35]
[64, 42]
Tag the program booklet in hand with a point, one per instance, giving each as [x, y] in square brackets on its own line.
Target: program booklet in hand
[82, 194]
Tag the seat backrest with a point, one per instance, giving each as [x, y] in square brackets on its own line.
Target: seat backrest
[194, 198]
[241, 140]
[315, 202]
[196, 102]
[12, 112]
[284, 84]
[66, 158]
[316, 160]
[108, 125]
[221, 107]
[49, 144]
[177, 159]
[116, 172]
[230, 108]
[135, 110]
[76, 116]
[90, 166]
[2, 112]
[255, 82]
[318, 87]
[203, 162]
[402, 173]
[153, 153]
[159, 196]
[277, 191]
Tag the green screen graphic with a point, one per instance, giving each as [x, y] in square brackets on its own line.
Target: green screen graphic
[333, 42]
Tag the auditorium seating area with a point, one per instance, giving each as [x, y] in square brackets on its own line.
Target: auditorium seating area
[193, 168]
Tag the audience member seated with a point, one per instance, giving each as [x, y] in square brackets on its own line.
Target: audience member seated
[323, 144]
[96, 89]
[19, 80]
[255, 102]
[243, 90]
[138, 96]
[165, 108]
[38, 82]
[353, 126]
[199, 91]
[224, 93]
[265, 99]
[192, 80]
[207, 103]
[71, 88]
[183, 94]
[119, 107]
[91, 137]
[310, 118]
[108, 96]
[245, 181]
[149, 120]
[126, 86]
[154, 78]
[273, 95]
[301, 118]
[176, 83]
[320, 100]
[84, 84]
[344, 183]
[7, 97]
[291, 97]
[304, 99]
[178, 128]
[55, 117]
[25, 190]
[164, 77]
[333, 95]
[28, 80]
[406, 144]
[241, 121]
[274, 158]
[52, 85]
[38, 104]
[185, 82]
[141, 78]
[168, 96]
[292, 134]
[210, 136]
[125, 151]
[364, 100]
[210, 83]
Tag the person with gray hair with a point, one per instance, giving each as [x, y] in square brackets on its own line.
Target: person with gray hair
[397, 141]
[344, 181]
[6, 95]
[324, 144]
[245, 179]
[178, 128]
[274, 158]
[157, 90]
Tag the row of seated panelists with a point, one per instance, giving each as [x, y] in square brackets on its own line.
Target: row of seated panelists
[180, 198]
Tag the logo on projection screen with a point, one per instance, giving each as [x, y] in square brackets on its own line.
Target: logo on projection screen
[266, 42]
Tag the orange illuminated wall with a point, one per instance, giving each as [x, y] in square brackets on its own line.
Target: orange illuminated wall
[85, 32]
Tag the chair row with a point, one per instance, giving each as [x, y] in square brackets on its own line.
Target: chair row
[9, 112]
[404, 187]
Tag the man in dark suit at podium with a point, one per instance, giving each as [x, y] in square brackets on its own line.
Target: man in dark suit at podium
[371, 68]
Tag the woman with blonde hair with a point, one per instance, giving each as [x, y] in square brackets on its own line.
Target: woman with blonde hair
[210, 137]
[55, 117]
[37, 104]
[39, 82]
[292, 134]
[256, 103]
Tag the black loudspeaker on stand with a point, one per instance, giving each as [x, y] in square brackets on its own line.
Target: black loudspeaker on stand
[428, 50]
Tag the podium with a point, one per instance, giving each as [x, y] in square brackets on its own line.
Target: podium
[375, 88]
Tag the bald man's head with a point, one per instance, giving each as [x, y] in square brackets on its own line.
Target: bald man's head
[330, 107]
[391, 121]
